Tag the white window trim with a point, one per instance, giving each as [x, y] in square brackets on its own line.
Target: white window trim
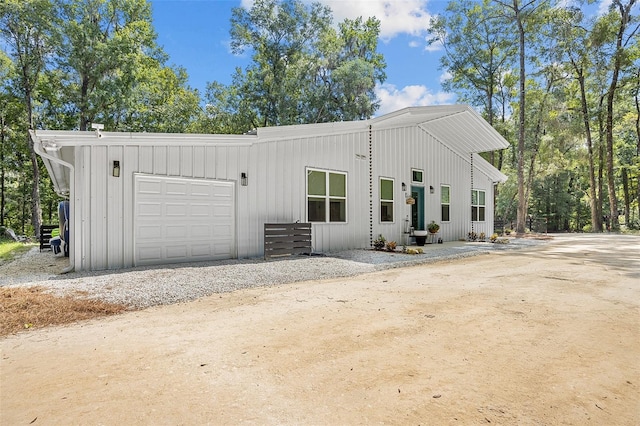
[327, 197]
[445, 204]
[476, 219]
[392, 201]
[413, 169]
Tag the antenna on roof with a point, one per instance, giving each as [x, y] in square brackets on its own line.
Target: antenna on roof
[97, 127]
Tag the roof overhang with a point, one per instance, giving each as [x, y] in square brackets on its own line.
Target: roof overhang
[457, 126]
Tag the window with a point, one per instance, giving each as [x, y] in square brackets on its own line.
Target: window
[477, 205]
[386, 200]
[417, 176]
[326, 196]
[445, 203]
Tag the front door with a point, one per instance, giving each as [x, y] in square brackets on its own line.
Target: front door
[417, 209]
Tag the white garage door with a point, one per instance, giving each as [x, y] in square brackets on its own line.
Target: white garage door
[183, 220]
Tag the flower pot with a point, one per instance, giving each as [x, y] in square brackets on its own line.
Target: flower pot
[421, 237]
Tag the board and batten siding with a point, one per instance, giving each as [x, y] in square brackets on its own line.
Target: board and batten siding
[281, 167]
[396, 151]
[276, 190]
[107, 237]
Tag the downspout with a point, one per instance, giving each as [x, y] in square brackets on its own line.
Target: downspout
[370, 186]
[471, 196]
[37, 146]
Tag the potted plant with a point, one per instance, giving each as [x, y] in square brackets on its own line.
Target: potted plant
[379, 243]
[433, 227]
[421, 236]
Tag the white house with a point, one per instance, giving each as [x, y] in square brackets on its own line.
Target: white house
[144, 198]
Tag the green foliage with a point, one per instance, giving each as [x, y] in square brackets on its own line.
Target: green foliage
[379, 243]
[303, 70]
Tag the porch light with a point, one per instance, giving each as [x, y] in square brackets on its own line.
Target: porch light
[243, 179]
[116, 169]
[431, 189]
[404, 186]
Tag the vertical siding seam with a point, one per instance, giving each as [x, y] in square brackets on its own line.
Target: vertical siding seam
[370, 186]
[472, 222]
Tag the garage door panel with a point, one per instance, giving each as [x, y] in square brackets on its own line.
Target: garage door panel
[146, 186]
[201, 190]
[182, 220]
[148, 253]
[177, 231]
[176, 188]
[200, 210]
[176, 251]
[150, 209]
[176, 209]
[146, 232]
[200, 250]
[202, 230]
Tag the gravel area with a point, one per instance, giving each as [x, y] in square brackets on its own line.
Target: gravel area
[144, 287]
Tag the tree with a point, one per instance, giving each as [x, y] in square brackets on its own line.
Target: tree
[478, 53]
[28, 29]
[105, 43]
[622, 24]
[522, 14]
[303, 70]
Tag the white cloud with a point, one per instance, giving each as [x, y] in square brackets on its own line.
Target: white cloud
[393, 99]
[445, 76]
[396, 16]
[603, 7]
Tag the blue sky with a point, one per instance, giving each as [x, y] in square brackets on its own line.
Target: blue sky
[195, 34]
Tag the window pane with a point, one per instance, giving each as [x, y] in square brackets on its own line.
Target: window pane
[474, 197]
[481, 198]
[316, 210]
[337, 210]
[481, 214]
[337, 185]
[444, 194]
[445, 213]
[317, 182]
[474, 213]
[417, 176]
[386, 211]
[386, 189]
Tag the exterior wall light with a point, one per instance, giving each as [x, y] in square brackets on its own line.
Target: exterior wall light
[116, 169]
[404, 186]
[243, 179]
[431, 189]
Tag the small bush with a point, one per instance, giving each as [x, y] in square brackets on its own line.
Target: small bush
[493, 237]
[379, 242]
[391, 246]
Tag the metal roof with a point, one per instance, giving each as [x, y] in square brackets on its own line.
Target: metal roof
[458, 126]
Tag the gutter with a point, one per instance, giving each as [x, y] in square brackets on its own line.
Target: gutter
[41, 151]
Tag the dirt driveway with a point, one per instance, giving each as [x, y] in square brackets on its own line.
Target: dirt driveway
[542, 336]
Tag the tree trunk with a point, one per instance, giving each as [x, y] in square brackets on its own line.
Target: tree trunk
[522, 211]
[626, 195]
[625, 16]
[36, 211]
[600, 196]
[2, 172]
[596, 223]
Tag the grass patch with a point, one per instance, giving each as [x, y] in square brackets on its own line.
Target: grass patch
[10, 249]
[24, 308]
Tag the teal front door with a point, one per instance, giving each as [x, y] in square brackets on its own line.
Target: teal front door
[417, 209]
